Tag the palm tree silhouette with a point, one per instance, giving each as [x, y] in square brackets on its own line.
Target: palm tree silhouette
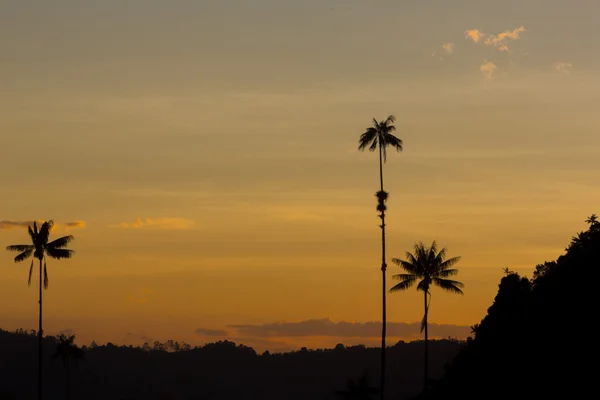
[67, 349]
[379, 136]
[429, 267]
[592, 220]
[40, 248]
[359, 390]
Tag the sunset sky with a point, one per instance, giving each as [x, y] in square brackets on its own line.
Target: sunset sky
[204, 156]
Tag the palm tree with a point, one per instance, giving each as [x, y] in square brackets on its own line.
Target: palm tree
[40, 248]
[592, 220]
[379, 136]
[67, 349]
[359, 390]
[429, 267]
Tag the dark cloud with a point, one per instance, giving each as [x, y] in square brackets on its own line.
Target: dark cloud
[326, 327]
[210, 332]
[24, 224]
[14, 224]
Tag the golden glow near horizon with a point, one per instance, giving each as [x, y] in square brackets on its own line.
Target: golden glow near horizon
[204, 156]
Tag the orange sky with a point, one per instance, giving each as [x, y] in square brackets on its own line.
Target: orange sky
[209, 149]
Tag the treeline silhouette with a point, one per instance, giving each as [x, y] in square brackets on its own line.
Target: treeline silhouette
[535, 340]
[221, 370]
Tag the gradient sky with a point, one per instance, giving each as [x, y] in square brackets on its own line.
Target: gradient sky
[208, 149]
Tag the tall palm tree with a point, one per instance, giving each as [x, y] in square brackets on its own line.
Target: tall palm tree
[379, 137]
[67, 349]
[430, 267]
[40, 248]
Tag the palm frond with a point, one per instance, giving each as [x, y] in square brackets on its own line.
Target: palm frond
[390, 119]
[59, 253]
[45, 275]
[19, 247]
[33, 232]
[44, 233]
[60, 242]
[424, 284]
[393, 141]
[404, 277]
[409, 267]
[446, 273]
[448, 263]
[30, 273]
[449, 285]
[374, 144]
[403, 285]
[24, 255]
[432, 252]
[367, 138]
[440, 257]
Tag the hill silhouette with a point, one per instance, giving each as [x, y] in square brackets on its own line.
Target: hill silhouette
[221, 370]
[534, 341]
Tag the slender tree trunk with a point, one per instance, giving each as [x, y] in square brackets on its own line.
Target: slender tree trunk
[426, 367]
[40, 333]
[383, 268]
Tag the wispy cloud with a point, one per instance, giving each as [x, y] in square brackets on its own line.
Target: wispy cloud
[158, 223]
[488, 68]
[75, 224]
[499, 41]
[211, 332]
[326, 327]
[24, 224]
[564, 67]
[448, 47]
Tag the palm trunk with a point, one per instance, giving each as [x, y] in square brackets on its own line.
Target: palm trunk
[40, 333]
[426, 367]
[383, 268]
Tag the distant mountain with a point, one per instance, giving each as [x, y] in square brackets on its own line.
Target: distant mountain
[215, 371]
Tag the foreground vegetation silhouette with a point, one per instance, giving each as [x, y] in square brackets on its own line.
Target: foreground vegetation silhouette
[532, 343]
[217, 371]
[358, 390]
[429, 267]
[67, 350]
[40, 248]
[379, 137]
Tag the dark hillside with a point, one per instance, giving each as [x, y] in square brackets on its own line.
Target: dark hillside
[222, 370]
[535, 340]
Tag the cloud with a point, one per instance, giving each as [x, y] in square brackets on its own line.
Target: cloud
[488, 68]
[24, 224]
[326, 327]
[498, 41]
[14, 224]
[448, 47]
[211, 332]
[75, 224]
[564, 67]
[474, 34]
[158, 223]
